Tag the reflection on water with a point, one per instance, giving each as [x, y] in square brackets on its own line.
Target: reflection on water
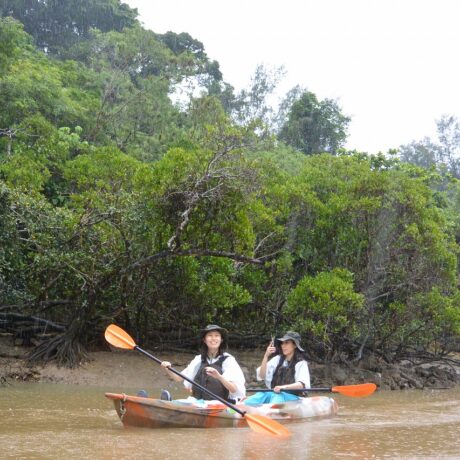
[44, 421]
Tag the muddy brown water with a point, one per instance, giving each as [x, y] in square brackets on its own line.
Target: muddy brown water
[56, 421]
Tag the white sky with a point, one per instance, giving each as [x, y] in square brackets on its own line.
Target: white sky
[393, 65]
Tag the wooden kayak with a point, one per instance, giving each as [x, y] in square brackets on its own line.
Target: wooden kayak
[157, 413]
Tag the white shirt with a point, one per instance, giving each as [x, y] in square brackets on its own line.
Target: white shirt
[230, 371]
[302, 373]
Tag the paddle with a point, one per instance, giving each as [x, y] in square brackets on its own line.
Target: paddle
[121, 339]
[355, 391]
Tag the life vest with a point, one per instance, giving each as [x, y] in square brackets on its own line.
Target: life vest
[284, 375]
[209, 382]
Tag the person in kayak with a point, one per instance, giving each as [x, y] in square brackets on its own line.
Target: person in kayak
[284, 367]
[213, 368]
[288, 369]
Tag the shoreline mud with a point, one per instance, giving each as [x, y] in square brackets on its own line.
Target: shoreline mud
[132, 370]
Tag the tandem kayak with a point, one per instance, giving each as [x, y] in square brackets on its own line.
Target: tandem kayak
[157, 413]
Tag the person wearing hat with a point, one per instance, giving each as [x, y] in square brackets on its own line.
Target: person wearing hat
[213, 368]
[288, 369]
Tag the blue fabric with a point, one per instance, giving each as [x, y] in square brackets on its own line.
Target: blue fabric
[265, 397]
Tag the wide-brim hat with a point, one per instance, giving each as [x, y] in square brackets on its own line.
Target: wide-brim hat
[214, 327]
[294, 336]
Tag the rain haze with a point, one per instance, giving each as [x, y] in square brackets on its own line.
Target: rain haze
[392, 65]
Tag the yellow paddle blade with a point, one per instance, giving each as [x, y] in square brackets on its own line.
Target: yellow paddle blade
[265, 425]
[355, 391]
[117, 337]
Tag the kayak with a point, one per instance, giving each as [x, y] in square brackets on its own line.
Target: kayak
[182, 413]
[157, 413]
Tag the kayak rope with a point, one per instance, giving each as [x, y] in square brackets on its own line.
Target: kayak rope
[122, 406]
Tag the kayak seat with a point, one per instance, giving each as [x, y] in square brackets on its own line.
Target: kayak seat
[142, 394]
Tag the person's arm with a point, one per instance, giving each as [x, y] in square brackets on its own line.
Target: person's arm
[231, 386]
[232, 371]
[290, 386]
[171, 375]
[302, 378]
[302, 373]
[190, 371]
[262, 370]
[232, 377]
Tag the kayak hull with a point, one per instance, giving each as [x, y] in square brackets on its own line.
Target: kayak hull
[156, 413]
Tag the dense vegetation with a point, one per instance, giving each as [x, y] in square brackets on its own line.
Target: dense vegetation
[137, 187]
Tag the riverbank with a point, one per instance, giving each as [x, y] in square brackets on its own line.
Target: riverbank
[133, 370]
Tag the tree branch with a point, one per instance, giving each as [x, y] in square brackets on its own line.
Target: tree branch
[194, 252]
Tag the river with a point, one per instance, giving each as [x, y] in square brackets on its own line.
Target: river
[56, 421]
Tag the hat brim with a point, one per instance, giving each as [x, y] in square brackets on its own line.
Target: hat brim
[296, 342]
[218, 329]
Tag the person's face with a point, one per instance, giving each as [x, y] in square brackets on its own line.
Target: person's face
[213, 340]
[288, 347]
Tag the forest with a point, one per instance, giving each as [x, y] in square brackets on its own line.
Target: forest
[138, 187]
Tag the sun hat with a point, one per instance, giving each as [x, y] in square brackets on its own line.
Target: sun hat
[213, 327]
[294, 336]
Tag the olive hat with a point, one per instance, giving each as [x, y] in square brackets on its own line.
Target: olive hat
[213, 327]
[294, 336]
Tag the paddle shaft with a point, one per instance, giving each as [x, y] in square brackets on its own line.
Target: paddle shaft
[354, 391]
[294, 390]
[202, 388]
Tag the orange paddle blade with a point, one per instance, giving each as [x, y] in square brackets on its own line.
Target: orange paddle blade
[355, 391]
[117, 337]
[265, 425]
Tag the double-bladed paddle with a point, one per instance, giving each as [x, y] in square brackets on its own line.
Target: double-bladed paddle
[117, 337]
[355, 391]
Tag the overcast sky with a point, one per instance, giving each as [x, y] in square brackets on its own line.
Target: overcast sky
[393, 65]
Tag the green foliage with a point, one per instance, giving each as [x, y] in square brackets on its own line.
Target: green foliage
[190, 54]
[35, 85]
[40, 155]
[117, 204]
[13, 286]
[135, 74]
[327, 308]
[441, 154]
[58, 24]
[101, 175]
[250, 105]
[31, 87]
[34, 232]
[25, 172]
[220, 296]
[281, 157]
[440, 314]
[13, 42]
[314, 126]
